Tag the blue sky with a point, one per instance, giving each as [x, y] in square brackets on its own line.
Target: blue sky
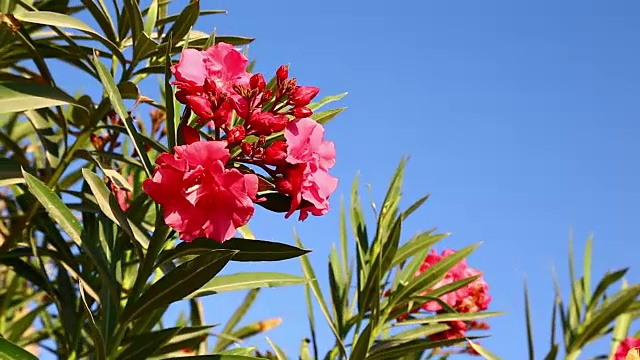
[520, 118]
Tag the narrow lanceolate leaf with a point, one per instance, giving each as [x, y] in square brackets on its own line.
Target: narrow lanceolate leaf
[603, 316]
[28, 95]
[237, 316]
[110, 207]
[246, 281]
[66, 21]
[326, 100]
[410, 347]
[11, 351]
[98, 339]
[54, 206]
[486, 354]
[179, 283]
[145, 349]
[247, 250]
[121, 111]
[315, 289]
[527, 312]
[324, 117]
[280, 355]
[169, 102]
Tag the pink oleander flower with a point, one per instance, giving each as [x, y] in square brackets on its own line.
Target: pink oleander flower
[206, 78]
[123, 196]
[202, 198]
[625, 346]
[471, 298]
[309, 158]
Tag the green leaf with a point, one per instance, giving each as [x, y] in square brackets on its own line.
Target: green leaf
[162, 341]
[98, 339]
[553, 353]
[147, 344]
[11, 351]
[247, 250]
[169, 101]
[326, 100]
[447, 317]
[246, 281]
[235, 318]
[121, 111]
[184, 22]
[410, 347]
[275, 201]
[324, 117]
[280, 355]
[361, 347]
[606, 281]
[65, 21]
[179, 283]
[527, 312]
[486, 354]
[315, 288]
[54, 206]
[586, 272]
[590, 329]
[419, 242]
[234, 40]
[23, 95]
[152, 16]
[110, 207]
[214, 357]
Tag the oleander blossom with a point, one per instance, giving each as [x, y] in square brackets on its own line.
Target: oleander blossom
[625, 346]
[202, 198]
[306, 172]
[206, 79]
[474, 297]
[123, 196]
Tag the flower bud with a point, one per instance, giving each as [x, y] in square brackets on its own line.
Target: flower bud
[267, 95]
[301, 112]
[261, 141]
[276, 153]
[302, 95]
[284, 185]
[189, 134]
[247, 149]
[283, 73]
[236, 134]
[257, 82]
[98, 142]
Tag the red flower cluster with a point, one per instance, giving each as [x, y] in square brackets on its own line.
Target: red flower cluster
[208, 192]
[625, 346]
[473, 297]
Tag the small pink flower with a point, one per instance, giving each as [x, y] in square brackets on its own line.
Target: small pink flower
[123, 196]
[206, 78]
[473, 297]
[202, 198]
[309, 158]
[625, 346]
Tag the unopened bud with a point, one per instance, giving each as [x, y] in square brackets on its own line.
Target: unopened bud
[236, 134]
[267, 95]
[257, 82]
[301, 112]
[262, 140]
[247, 149]
[282, 73]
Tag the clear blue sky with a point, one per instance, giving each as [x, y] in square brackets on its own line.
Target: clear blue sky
[520, 118]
